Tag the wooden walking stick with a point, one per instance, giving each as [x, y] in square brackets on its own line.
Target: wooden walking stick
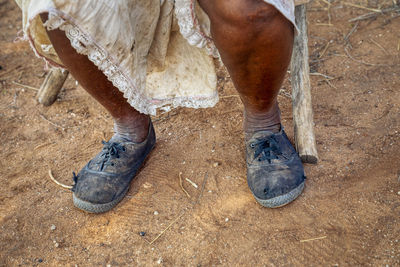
[301, 92]
[51, 86]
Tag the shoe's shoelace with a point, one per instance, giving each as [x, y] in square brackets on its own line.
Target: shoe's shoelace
[110, 151]
[266, 149]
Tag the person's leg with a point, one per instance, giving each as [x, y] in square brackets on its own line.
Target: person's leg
[105, 179]
[128, 122]
[255, 43]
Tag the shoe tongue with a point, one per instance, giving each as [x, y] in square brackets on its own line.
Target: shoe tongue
[117, 138]
[258, 135]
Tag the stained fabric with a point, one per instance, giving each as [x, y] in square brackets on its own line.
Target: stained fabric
[157, 52]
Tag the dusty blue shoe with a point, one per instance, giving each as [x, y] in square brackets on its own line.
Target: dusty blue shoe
[104, 181]
[275, 173]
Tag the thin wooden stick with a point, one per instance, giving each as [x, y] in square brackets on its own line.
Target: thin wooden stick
[347, 37]
[163, 231]
[49, 121]
[374, 14]
[26, 86]
[363, 7]
[312, 239]
[58, 183]
[381, 47]
[55, 124]
[203, 185]
[42, 145]
[325, 48]
[323, 75]
[360, 61]
[181, 184]
[183, 212]
[192, 183]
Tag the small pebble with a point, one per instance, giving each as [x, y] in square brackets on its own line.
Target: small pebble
[56, 245]
[215, 164]
[108, 265]
[52, 227]
[156, 213]
[40, 260]
[142, 233]
[398, 193]
[226, 219]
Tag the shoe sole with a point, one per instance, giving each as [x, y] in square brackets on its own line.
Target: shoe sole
[283, 200]
[97, 208]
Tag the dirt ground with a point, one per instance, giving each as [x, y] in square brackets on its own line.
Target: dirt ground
[347, 215]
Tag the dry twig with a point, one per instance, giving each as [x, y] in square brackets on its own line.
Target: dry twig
[312, 239]
[203, 185]
[323, 75]
[363, 7]
[323, 51]
[181, 185]
[360, 61]
[374, 14]
[163, 231]
[381, 47]
[26, 86]
[58, 183]
[347, 37]
[192, 183]
[182, 213]
[49, 121]
[42, 145]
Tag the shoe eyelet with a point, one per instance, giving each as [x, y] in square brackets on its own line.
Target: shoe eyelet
[252, 145]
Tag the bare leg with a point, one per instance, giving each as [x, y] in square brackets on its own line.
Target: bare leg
[129, 123]
[255, 42]
[105, 179]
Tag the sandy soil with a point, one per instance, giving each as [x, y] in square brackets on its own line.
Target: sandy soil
[351, 203]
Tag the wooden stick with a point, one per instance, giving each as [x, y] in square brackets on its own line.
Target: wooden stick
[26, 86]
[181, 185]
[58, 183]
[312, 239]
[301, 92]
[51, 86]
[163, 231]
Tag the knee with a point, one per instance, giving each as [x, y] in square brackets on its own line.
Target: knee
[244, 14]
[249, 20]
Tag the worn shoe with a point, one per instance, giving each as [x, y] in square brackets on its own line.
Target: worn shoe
[275, 173]
[104, 181]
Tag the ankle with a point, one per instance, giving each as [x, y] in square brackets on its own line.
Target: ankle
[132, 129]
[262, 121]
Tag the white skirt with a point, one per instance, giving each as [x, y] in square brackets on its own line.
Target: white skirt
[157, 52]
